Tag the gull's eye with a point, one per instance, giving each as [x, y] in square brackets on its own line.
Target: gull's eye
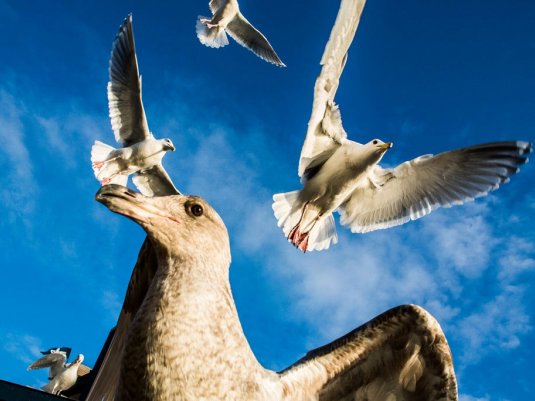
[375, 142]
[196, 210]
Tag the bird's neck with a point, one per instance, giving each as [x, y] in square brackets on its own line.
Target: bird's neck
[190, 330]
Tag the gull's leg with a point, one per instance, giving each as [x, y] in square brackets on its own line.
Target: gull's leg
[294, 234]
[302, 241]
[99, 164]
[204, 20]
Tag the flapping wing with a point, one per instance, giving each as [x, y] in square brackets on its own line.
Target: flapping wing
[417, 187]
[154, 182]
[127, 115]
[48, 361]
[325, 131]
[107, 378]
[401, 354]
[251, 38]
[216, 5]
[83, 370]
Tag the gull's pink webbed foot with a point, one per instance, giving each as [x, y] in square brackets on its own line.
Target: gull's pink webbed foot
[98, 165]
[105, 181]
[204, 20]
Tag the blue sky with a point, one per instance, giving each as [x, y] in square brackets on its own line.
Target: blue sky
[429, 76]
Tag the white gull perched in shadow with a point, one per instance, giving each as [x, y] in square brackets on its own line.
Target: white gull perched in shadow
[62, 375]
[228, 18]
[141, 153]
[186, 341]
[340, 174]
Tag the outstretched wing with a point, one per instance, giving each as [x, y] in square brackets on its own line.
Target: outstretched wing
[251, 38]
[401, 354]
[417, 187]
[325, 131]
[154, 181]
[107, 378]
[216, 5]
[127, 115]
[54, 358]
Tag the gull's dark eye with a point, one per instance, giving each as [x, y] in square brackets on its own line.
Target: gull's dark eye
[196, 210]
[375, 141]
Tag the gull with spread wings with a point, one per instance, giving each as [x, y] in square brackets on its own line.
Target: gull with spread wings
[227, 18]
[141, 153]
[340, 174]
[61, 375]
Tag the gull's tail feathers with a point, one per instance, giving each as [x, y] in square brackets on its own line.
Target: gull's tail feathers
[323, 234]
[283, 206]
[99, 154]
[212, 37]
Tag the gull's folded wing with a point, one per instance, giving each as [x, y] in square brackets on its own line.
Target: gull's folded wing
[107, 379]
[417, 187]
[127, 115]
[400, 355]
[325, 131]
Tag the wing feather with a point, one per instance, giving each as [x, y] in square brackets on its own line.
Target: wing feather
[154, 181]
[127, 114]
[401, 354]
[243, 32]
[417, 187]
[48, 361]
[107, 377]
[325, 131]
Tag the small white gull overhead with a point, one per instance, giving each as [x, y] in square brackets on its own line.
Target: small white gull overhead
[344, 175]
[228, 18]
[187, 343]
[141, 153]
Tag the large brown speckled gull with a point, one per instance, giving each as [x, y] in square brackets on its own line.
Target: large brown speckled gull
[141, 153]
[186, 341]
[228, 18]
[342, 175]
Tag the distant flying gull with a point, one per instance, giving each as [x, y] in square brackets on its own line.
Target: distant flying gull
[340, 174]
[62, 375]
[228, 18]
[187, 342]
[141, 153]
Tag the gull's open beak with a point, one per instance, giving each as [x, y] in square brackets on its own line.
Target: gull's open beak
[386, 146]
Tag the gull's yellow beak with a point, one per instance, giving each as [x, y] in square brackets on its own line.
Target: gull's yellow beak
[386, 146]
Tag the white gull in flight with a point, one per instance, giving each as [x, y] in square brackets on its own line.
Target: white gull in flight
[141, 153]
[342, 175]
[228, 18]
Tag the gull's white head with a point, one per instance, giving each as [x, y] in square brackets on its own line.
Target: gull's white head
[184, 226]
[375, 149]
[167, 144]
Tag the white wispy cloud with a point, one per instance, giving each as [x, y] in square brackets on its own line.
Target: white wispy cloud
[25, 348]
[17, 182]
